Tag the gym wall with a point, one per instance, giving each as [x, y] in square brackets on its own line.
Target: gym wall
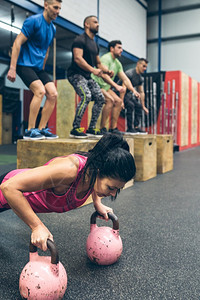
[180, 31]
[124, 20]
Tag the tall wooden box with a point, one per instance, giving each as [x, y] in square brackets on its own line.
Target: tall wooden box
[31, 154]
[164, 153]
[145, 153]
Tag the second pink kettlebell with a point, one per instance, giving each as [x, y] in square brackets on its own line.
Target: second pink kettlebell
[43, 277]
[104, 244]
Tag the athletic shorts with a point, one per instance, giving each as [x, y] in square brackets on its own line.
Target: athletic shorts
[28, 75]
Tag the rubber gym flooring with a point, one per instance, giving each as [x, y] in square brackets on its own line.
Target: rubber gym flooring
[160, 228]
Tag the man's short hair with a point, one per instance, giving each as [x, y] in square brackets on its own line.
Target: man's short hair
[142, 59]
[87, 18]
[51, 1]
[113, 44]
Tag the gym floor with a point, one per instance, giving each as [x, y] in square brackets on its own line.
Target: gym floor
[159, 227]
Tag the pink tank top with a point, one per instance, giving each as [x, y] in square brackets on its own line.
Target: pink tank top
[46, 201]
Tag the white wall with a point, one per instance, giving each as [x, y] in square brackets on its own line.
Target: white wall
[180, 23]
[180, 54]
[119, 19]
[124, 20]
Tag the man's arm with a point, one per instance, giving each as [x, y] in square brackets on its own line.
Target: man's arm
[20, 39]
[142, 98]
[103, 67]
[82, 63]
[109, 80]
[45, 59]
[126, 81]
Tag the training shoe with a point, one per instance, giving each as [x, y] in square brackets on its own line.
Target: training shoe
[33, 134]
[131, 131]
[78, 133]
[103, 130]
[116, 131]
[47, 133]
[94, 132]
[140, 131]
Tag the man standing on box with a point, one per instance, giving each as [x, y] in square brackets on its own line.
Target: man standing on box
[131, 103]
[85, 60]
[29, 55]
[113, 103]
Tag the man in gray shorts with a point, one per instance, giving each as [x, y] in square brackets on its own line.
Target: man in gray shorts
[29, 55]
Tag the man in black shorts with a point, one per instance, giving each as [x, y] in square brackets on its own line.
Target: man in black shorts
[29, 55]
[85, 60]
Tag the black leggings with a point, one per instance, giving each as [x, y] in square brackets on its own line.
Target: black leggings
[1, 179]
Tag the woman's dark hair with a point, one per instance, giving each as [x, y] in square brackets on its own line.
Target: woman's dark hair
[110, 157]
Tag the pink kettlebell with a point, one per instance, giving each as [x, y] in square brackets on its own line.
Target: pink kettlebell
[104, 244]
[43, 277]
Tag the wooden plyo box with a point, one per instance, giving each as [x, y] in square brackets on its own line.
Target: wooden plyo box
[31, 154]
[164, 153]
[145, 153]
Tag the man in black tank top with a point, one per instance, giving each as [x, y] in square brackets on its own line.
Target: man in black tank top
[85, 60]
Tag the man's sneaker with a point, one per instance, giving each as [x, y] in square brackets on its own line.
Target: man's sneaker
[33, 134]
[48, 135]
[140, 131]
[78, 133]
[116, 131]
[94, 132]
[131, 131]
[103, 130]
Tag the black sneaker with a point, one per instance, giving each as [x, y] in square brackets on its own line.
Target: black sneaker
[140, 131]
[116, 131]
[103, 130]
[33, 134]
[48, 135]
[94, 132]
[131, 131]
[78, 133]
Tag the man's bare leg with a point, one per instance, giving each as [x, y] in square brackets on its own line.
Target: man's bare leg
[109, 101]
[116, 109]
[51, 98]
[38, 91]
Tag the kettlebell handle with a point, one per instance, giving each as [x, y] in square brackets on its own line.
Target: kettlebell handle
[53, 250]
[111, 216]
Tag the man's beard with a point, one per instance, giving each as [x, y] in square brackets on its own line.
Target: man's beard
[117, 55]
[94, 30]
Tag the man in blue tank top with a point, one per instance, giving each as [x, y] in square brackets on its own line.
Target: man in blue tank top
[29, 55]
